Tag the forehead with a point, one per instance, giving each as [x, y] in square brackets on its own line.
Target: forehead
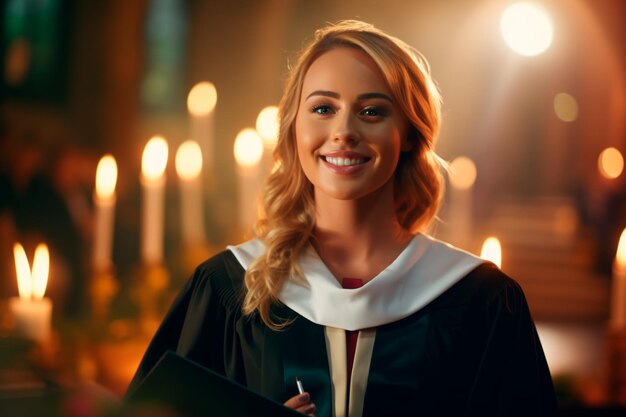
[345, 71]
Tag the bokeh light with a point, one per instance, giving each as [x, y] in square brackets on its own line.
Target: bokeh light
[154, 159]
[106, 177]
[611, 163]
[248, 148]
[202, 99]
[492, 251]
[565, 107]
[188, 160]
[526, 29]
[462, 173]
[267, 125]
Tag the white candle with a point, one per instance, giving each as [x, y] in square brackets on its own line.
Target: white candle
[153, 163]
[104, 201]
[31, 311]
[201, 103]
[618, 291]
[188, 168]
[462, 178]
[248, 152]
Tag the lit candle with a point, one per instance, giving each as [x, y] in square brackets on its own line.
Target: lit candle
[248, 152]
[267, 125]
[462, 178]
[153, 163]
[492, 251]
[188, 168]
[31, 310]
[104, 201]
[618, 292]
[201, 103]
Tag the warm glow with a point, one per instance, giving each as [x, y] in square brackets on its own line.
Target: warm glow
[154, 159]
[22, 268]
[32, 284]
[620, 258]
[189, 160]
[526, 29]
[611, 163]
[41, 267]
[267, 125]
[462, 173]
[248, 148]
[492, 251]
[565, 107]
[106, 177]
[202, 99]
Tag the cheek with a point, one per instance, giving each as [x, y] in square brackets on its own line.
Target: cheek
[308, 137]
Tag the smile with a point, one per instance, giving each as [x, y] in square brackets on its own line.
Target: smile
[344, 162]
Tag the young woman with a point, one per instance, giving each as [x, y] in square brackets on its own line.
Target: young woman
[341, 287]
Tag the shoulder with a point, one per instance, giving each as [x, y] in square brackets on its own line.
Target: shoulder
[487, 286]
[221, 276]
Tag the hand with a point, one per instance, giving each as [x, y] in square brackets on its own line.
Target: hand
[302, 403]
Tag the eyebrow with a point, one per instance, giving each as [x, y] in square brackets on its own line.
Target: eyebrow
[363, 96]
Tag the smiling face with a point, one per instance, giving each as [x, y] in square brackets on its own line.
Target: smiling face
[349, 132]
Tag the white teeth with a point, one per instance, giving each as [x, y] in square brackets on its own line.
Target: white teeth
[344, 162]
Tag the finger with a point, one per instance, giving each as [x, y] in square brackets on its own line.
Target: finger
[298, 401]
[307, 409]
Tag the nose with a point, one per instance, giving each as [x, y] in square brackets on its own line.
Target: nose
[346, 130]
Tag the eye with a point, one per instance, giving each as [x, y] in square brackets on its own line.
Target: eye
[322, 109]
[372, 111]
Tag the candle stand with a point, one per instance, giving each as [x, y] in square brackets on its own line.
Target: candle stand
[102, 289]
[149, 293]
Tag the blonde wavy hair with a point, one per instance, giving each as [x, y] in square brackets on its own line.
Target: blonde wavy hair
[287, 207]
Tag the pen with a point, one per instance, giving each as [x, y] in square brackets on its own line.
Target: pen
[300, 387]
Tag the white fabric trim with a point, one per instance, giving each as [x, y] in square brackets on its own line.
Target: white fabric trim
[361, 371]
[424, 270]
[337, 363]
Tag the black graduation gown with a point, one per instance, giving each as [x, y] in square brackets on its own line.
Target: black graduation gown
[473, 351]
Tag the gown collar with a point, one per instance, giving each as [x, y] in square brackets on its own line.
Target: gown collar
[424, 270]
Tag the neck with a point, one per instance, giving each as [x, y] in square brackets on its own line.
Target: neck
[359, 238]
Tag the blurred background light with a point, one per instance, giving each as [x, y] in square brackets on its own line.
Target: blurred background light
[526, 29]
[462, 173]
[188, 160]
[492, 251]
[202, 99]
[248, 148]
[154, 159]
[267, 125]
[611, 163]
[565, 107]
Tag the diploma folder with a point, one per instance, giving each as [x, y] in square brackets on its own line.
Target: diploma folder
[189, 389]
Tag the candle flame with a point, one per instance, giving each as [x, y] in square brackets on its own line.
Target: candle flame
[267, 125]
[248, 148]
[202, 99]
[620, 259]
[32, 284]
[106, 177]
[41, 267]
[22, 268]
[154, 159]
[188, 160]
[492, 251]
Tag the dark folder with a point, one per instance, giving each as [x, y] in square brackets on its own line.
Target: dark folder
[183, 386]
